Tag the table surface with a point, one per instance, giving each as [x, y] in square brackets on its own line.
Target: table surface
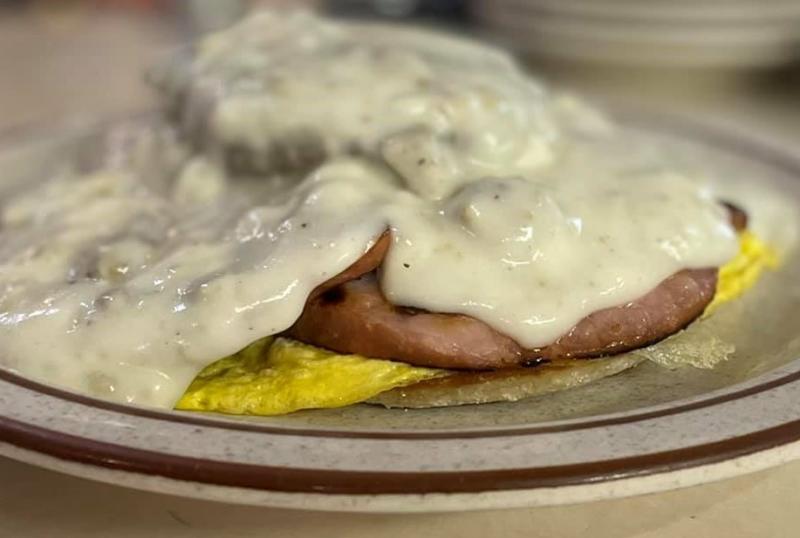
[57, 63]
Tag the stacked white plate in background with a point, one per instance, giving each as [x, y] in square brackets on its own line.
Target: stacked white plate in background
[650, 33]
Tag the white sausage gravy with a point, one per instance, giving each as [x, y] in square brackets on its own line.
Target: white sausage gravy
[525, 209]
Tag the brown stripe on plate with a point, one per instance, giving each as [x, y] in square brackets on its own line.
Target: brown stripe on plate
[199, 420]
[293, 480]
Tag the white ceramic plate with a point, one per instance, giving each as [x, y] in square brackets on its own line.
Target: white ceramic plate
[676, 11]
[646, 430]
[648, 34]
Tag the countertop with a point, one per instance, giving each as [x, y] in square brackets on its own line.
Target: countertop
[66, 66]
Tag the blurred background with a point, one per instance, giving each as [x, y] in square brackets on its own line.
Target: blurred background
[736, 61]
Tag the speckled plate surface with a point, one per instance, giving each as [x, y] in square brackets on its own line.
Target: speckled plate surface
[646, 430]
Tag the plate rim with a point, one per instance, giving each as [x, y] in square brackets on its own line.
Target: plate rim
[719, 396]
[416, 503]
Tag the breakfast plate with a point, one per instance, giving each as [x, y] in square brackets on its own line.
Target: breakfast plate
[648, 429]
